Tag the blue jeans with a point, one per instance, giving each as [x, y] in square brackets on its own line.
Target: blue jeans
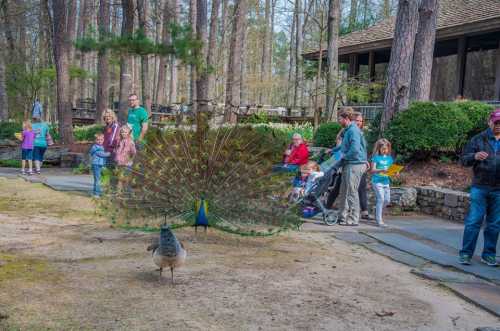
[96, 171]
[484, 201]
[383, 196]
[285, 168]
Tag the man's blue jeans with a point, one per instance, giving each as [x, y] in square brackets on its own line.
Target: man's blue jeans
[96, 171]
[484, 201]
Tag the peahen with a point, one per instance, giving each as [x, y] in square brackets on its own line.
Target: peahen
[218, 177]
[168, 251]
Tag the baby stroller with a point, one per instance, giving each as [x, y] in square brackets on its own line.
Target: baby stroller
[313, 196]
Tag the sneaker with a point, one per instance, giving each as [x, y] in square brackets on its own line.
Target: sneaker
[30, 172]
[382, 225]
[37, 172]
[367, 216]
[23, 172]
[489, 260]
[464, 259]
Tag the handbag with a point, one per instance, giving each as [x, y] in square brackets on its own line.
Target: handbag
[49, 139]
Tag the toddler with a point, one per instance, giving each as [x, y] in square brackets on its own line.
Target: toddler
[98, 159]
[28, 137]
[381, 161]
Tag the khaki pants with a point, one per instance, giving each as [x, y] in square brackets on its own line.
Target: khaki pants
[349, 197]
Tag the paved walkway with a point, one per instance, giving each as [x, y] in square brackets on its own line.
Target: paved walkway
[429, 245]
[59, 179]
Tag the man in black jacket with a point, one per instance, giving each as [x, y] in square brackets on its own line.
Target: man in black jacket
[483, 154]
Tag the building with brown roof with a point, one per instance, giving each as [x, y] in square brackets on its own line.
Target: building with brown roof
[466, 54]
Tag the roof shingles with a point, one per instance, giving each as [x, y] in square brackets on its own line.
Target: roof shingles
[451, 13]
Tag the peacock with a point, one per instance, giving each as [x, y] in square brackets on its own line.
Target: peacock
[219, 177]
[168, 251]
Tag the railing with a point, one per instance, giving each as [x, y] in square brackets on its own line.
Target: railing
[369, 111]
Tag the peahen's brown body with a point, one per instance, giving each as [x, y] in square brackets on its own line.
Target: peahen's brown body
[168, 252]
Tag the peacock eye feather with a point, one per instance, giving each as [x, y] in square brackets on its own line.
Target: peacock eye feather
[228, 168]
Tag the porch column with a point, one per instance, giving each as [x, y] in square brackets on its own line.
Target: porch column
[371, 65]
[497, 73]
[461, 63]
[353, 65]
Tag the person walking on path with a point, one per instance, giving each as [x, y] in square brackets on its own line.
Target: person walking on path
[138, 119]
[28, 137]
[111, 133]
[41, 142]
[381, 161]
[37, 109]
[98, 160]
[354, 165]
[482, 153]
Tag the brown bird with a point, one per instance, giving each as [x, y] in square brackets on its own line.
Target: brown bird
[168, 251]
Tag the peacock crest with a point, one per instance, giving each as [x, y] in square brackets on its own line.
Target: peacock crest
[220, 177]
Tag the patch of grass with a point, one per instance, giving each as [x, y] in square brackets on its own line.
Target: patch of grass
[25, 269]
[18, 197]
[10, 163]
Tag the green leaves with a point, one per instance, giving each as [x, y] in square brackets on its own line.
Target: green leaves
[429, 129]
[183, 44]
[326, 134]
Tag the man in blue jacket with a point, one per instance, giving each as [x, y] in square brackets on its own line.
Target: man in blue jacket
[354, 165]
[483, 154]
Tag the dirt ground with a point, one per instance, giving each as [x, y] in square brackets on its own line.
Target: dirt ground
[63, 268]
[434, 173]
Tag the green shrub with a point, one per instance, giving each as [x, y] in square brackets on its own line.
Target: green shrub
[372, 131]
[478, 114]
[10, 163]
[87, 133]
[428, 129]
[256, 118]
[8, 129]
[326, 134]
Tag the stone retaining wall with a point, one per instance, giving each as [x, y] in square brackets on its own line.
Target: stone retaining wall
[444, 203]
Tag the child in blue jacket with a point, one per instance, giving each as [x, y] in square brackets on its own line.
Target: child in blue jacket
[97, 160]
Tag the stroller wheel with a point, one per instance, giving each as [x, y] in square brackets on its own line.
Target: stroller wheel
[330, 217]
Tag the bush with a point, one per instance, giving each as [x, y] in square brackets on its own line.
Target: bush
[87, 133]
[428, 129]
[478, 114]
[259, 118]
[8, 129]
[326, 134]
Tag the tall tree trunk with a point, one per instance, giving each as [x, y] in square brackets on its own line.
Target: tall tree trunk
[126, 65]
[234, 65]
[386, 9]
[291, 68]
[202, 75]
[172, 93]
[320, 68]
[353, 15]
[103, 22]
[397, 91]
[85, 16]
[162, 69]
[113, 73]
[4, 104]
[424, 51]
[142, 8]
[64, 24]
[192, 82]
[332, 77]
[222, 52]
[243, 89]
[297, 100]
[212, 47]
[266, 56]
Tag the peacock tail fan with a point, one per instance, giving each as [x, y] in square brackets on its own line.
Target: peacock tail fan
[227, 171]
